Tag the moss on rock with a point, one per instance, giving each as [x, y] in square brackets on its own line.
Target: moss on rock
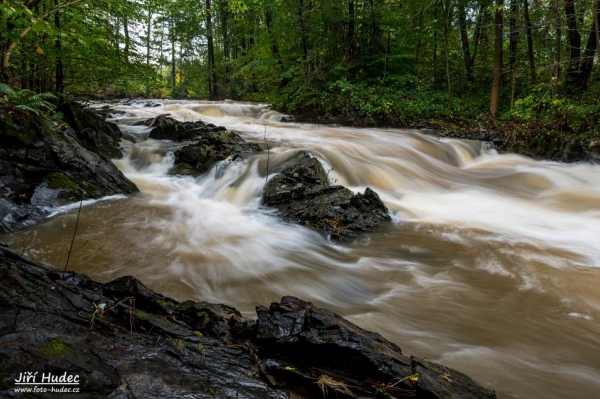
[58, 180]
[54, 348]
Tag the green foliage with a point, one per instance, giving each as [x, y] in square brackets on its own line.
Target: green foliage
[27, 100]
[545, 108]
[401, 102]
[381, 62]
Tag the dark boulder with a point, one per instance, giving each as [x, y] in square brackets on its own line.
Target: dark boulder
[556, 147]
[92, 130]
[123, 341]
[305, 346]
[43, 164]
[202, 145]
[303, 195]
[198, 157]
[115, 340]
[167, 128]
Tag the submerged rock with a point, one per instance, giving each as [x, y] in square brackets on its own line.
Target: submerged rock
[45, 164]
[303, 195]
[123, 340]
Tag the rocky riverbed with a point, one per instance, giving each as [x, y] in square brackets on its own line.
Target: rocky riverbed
[122, 340]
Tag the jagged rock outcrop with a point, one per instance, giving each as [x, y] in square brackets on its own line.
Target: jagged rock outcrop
[202, 145]
[199, 156]
[93, 131]
[167, 128]
[301, 343]
[123, 340]
[45, 163]
[303, 195]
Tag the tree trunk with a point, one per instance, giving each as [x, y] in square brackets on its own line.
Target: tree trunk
[212, 81]
[127, 39]
[446, 9]
[59, 75]
[573, 73]
[597, 23]
[387, 50]
[303, 30]
[374, 30]
[435, 16]
[464, 39]
[351, 27]
[173, 72]
[498, 41]
[529, 41]
[148, 37]
[513, 47]
[269, 23]
[224, 17]
[587, 60]
[557, 44]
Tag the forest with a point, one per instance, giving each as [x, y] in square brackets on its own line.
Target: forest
[524, 66]
[281, 199]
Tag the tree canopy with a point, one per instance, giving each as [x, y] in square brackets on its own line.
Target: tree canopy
[387, 59]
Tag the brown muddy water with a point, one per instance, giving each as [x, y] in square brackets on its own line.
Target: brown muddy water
[492, 264]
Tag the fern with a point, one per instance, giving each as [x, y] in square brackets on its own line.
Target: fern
[27, 100]
[28, 108]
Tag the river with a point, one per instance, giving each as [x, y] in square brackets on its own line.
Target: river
[491, 265]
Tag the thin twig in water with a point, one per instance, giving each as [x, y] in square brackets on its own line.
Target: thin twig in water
[74, 234]
[265, 140]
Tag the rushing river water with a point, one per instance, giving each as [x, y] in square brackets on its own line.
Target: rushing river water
[492, 264]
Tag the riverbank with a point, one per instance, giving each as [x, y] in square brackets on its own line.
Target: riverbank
[543, 125]
[530, 138]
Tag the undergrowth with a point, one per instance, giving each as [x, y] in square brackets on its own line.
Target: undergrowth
[27, 100]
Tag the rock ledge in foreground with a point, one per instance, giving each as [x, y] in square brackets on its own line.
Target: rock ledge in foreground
[125, 341]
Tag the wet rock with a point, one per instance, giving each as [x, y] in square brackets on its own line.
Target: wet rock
[303, 195]
[305, 346]
[556, 147]
[198, 157]
[496, 138]
[92, 130]
[123, 340]
[167, 128]
[593, 151]
[118, 344]
[43, 164]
